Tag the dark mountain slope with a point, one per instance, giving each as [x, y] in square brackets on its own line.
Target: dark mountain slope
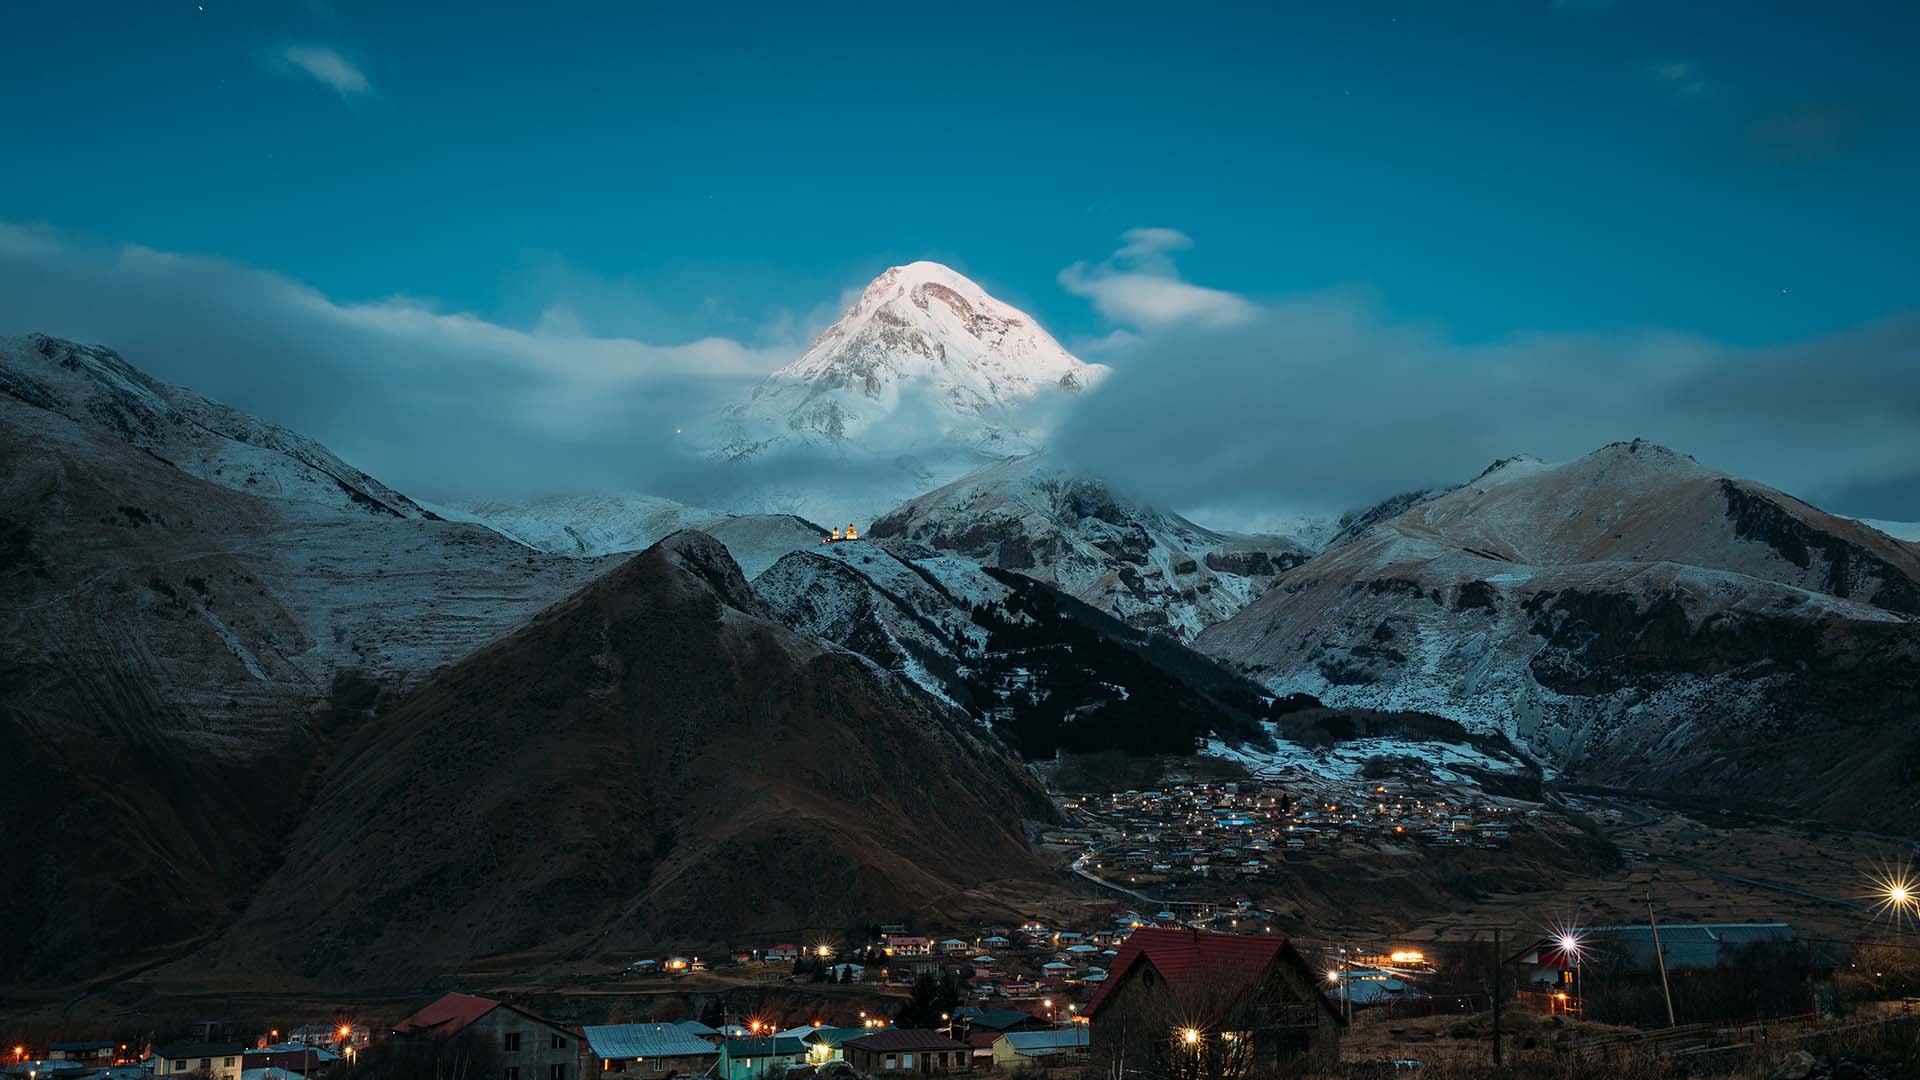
[651, 759]
[180, 637]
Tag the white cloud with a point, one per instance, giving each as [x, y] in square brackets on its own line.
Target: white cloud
[1680, 76]
[1320, 403]
[433, 402]
[328, 68]
[1138, 285]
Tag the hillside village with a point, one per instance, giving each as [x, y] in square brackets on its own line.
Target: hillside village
[1154, 989]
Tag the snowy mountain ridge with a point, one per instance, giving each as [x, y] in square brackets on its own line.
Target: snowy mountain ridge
[93, 386]
[924, 344]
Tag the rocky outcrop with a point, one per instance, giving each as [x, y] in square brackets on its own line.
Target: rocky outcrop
[1147, 567]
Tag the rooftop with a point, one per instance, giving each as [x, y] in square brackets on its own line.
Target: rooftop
[645, 1040]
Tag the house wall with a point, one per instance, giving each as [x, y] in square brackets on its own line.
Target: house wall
[220, 1068]
[1139, 1020]
[1006, 1057]
[747, 1068]
[931, 1061]
[668, 1065]
[529, 1049]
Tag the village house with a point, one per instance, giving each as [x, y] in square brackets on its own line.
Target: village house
[1053, 1046]
[530, 1047]
[826, 1044]
[906, 1050]
[648, 1050]
[999, 1020]
[700, 1031]
[99, 1051]
[296, 1058]
[219, 1060]
[748, 1059]
[49, 1069]
[1177, 1000]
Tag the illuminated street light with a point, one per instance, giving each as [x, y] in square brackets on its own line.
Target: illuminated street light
[1190, 1036]
[1895, 894]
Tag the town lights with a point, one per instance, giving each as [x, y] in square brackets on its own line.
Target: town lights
[1190, 1036]
[345, 1030]
[1333, 977]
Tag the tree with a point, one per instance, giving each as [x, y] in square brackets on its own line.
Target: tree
[933, 996]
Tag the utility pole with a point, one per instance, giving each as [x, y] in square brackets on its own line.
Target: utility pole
[1660, 957]
[1346, 986]
[1496, 996]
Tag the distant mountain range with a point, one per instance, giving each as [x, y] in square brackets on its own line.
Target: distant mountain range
[1632, 617]
[244, 681]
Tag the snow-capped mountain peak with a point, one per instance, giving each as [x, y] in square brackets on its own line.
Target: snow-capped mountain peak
[923, 345]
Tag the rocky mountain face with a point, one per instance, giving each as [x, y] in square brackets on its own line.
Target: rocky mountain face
[1147, 567]
[1631, 617]
[1044, 671]
[651, 760]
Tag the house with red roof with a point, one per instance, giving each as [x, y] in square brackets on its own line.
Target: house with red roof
[1191, 1002]
[528, 1045]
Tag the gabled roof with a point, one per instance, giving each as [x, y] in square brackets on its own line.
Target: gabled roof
[178, 1050]
[894, 1040]
[645, 1040]
[834, 1036]
[1066, 1038]
[448, 1015]
[695, 1027]
[1002, 1019]
[774, 1047]
[451, 1014]
[1198, 962]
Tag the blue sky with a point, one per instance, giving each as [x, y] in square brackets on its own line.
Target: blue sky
[1742, 172]
[1493, 167]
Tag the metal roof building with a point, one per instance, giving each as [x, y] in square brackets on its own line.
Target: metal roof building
[613, 1042]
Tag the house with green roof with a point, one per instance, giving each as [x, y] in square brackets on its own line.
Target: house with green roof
[649, 1050]
[750, 1059]
[825, 1044]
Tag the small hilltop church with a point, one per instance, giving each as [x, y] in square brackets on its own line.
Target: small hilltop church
[836, 536]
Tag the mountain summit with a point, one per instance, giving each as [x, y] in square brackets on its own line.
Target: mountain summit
[924, 359]
[925, 379]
